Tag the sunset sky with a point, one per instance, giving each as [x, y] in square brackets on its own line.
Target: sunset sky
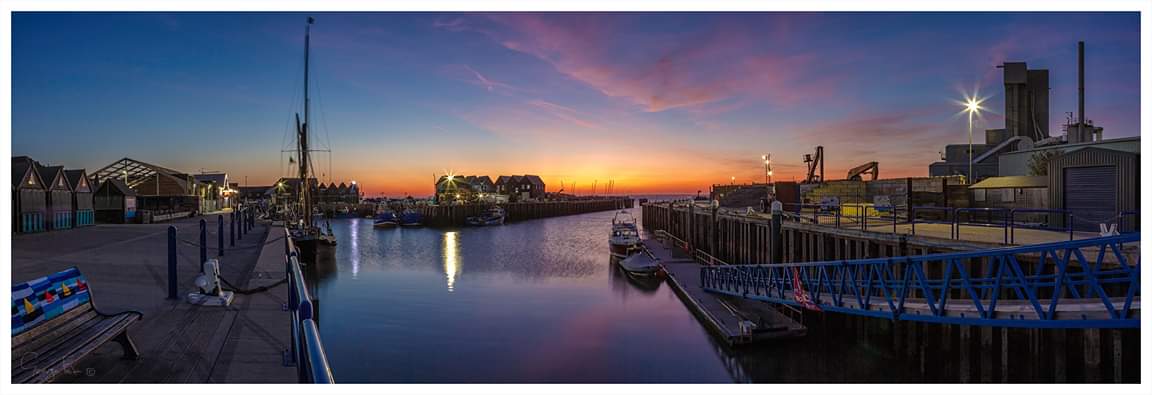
[661, 103]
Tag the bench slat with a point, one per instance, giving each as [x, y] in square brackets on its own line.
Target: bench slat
[47, 366]
[64, 329]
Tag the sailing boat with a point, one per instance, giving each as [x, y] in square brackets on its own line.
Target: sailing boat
[312, 240]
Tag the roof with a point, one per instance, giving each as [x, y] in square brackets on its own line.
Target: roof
[74, 177]
[534, 179]
[215, 178]
[119, 186]
[48, 174]
[138, 172]
[19, 170]
[1012, 182]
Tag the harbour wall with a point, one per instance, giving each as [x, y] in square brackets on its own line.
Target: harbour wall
[456, 215]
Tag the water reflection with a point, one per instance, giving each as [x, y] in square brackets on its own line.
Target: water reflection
[451, 245]
[355, 240]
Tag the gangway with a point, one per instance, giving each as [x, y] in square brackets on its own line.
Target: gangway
[1053, 285]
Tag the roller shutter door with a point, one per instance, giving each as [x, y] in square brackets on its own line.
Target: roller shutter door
[1090, 195]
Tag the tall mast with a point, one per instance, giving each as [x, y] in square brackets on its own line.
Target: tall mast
[305, 186]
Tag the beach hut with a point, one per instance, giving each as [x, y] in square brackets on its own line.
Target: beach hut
[81, 197]
[29, 196]
[59, 196]
[114, 202]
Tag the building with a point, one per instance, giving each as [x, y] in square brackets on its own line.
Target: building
[1011, 192]
[59, 214]
[1096, 186]
[159, 189]
[217, 193]
[81, 197]
[114, 202]
[1032, 161]
[29, 197]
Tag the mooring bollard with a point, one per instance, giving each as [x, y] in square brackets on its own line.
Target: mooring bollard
[171, 262]
[777, 212]
[203, 241]
[232, 229]
[220, 235]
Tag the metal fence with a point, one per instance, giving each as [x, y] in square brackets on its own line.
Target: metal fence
[307, 350]
[1053, 285]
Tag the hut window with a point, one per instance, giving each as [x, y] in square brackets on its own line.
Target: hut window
[978, 195]
[1009, 195]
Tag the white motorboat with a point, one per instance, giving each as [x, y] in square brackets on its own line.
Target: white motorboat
[625, 238]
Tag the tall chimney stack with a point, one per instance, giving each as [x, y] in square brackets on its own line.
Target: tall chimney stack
[1081, 98]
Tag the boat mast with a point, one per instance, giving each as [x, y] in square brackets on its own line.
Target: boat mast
[305, 186]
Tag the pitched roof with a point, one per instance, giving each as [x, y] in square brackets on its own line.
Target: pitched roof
[1012, 182]
[49, 175]
[75, 176]
[119, 186]
[535, 180]
[20, 169]
[215, 178]
[501, 180]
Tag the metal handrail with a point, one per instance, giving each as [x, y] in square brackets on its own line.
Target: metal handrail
[1012, 220]
[1005, 214]
[307, 349]
[1095, 279]
[948, 213]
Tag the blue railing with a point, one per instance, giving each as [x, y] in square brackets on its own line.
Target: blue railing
[1050, 285]
[307, 350]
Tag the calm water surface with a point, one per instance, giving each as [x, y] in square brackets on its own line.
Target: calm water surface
[533, 301]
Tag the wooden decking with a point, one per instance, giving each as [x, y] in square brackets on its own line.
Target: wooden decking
[721, 316]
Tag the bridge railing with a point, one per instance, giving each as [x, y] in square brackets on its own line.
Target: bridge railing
[307, 351]
[1089, 283]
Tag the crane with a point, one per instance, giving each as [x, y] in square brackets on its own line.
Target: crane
[872, 168]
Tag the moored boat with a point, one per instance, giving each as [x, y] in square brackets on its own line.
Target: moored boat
[493, 216]
[386, 219]
[625, 238]
[411, 217]
[641, 264]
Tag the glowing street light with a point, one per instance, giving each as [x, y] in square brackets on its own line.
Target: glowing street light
[972, 107]
[733, 180]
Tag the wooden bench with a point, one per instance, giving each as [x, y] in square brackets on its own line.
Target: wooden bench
[55, 324]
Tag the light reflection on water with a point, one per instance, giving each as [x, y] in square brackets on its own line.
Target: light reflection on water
[542, 303]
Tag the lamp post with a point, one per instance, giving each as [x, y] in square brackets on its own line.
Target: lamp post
[768, 189]
[733, 180]
[972, 107]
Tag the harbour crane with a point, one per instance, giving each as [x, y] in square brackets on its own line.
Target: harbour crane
[815, 163]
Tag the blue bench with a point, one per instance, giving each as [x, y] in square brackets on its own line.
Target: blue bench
[55, 324]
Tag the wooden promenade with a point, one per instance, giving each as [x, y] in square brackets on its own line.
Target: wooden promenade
[179, 343]
[722, 316]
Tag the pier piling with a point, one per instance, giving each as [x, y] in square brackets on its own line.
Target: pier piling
[232, 229]
[220, 235]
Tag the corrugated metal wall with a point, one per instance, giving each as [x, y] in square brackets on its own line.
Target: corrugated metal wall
[1127, 177]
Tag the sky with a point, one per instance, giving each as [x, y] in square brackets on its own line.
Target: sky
[655, 102]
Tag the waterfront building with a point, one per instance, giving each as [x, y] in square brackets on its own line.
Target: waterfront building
[159, 190]
[114, 202]
[1097, 186]
[520, 188]
[1011, 192]
[217, 194]
[59, 214]
[29, 196]
[81, 197]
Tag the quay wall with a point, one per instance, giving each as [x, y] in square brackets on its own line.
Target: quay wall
[948, 353]
[456, 215]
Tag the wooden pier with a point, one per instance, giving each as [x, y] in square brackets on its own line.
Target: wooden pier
[732, 321]
[456, 215]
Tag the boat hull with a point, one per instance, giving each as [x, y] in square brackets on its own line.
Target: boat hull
[623, 250]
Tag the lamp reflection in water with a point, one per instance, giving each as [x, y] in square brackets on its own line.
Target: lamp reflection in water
[451, 258]
[355, 247]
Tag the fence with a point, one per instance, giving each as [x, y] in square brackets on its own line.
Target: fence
[307, 350]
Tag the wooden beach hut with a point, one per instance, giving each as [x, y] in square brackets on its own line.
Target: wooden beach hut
[29, 197]
[114, 202]
[59, 214]
[81, 197]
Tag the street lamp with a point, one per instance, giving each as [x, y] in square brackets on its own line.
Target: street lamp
[733, 180]
[768, 189]
[972, 107]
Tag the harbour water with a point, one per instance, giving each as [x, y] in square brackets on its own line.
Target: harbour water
[537, 301]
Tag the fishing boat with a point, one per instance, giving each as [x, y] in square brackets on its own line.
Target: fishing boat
[386, 219]
[411, 217]
[625, 238]
[641, 265]
[493, 216]
[313, 241]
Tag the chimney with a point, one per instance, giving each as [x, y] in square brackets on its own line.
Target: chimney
[1080, 59]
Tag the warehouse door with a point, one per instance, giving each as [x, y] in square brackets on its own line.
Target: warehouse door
[1090, 195]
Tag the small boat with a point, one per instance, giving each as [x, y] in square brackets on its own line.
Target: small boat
[386, 219]
[411, 217]
[494, 216]
[642, 265]
[625, 239]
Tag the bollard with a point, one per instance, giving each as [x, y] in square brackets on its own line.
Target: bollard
[232, 230]
[203, 241]
[172, 262]
[777, 212]
[220, 235]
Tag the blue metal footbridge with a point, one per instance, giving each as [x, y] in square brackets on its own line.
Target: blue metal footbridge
[1089, 283]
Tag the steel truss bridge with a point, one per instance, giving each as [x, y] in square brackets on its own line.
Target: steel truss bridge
[1052, 285]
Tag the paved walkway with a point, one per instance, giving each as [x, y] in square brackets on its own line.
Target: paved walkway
[127, 268]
